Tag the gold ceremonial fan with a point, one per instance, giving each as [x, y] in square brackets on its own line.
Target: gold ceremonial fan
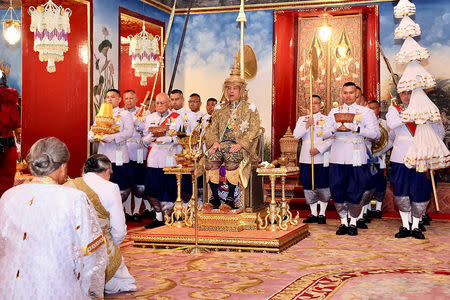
[250, 62]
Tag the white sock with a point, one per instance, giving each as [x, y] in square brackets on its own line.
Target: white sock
[378, 205]
[409, 217]
[159, 216]
[353, 221]
[323, 208]
[313, 208]
[137, 204]
[360, 215]
[127, 205]
[405, 219]
[415, 222]
[147, 205]
[344, 221]
[365, 208]
[421, 219]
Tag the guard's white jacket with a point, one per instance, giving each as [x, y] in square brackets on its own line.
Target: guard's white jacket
[403, 139]
[300, 132]
[136, 150]
[163, 149]
[349, 147]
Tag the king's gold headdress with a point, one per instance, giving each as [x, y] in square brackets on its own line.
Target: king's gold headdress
[235, 74]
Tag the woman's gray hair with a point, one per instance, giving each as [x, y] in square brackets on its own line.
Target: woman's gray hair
[97, 163]
[47, 155]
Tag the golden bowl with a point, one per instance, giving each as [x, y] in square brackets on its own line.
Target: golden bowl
[158, 131]
[344, 118]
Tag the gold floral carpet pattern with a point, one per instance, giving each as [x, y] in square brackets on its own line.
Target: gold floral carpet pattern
[372, 265]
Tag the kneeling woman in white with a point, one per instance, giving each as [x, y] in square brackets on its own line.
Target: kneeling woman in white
[105, 196]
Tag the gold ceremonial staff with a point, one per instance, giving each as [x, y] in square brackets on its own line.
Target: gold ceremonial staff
[242, 19]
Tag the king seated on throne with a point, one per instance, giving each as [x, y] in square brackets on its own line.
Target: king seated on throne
[231, 139]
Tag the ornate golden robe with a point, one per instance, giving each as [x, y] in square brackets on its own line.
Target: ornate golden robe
[246, 132]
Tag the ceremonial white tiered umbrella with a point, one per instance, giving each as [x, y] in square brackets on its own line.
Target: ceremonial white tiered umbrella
[428, 151]
[404, 8]
[407, 28]
[410, 51]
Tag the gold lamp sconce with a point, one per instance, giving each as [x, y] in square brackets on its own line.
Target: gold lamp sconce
[11, 26]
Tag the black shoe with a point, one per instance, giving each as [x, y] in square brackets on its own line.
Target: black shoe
[215, 203]
[148, 214]
[155, 223]
[425, 221]
[136, 218]
[427, 217]
[321, 220]
[342, 230]
[230, 203]
[417, 234]
[421, 227]
[370, 213]
[403, 233]
[128, 217]
[377, 214]
[310, 219]
[352, 230]
[366, 218]
[360, 224]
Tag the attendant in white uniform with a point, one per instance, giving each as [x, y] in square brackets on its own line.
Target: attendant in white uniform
[186, 122]
[320, 152]
[377, 186]
[412, 190]
[349, 173]
[114, 146]
[138, 157]
[160, 189]
[106, 199]
[51, 244]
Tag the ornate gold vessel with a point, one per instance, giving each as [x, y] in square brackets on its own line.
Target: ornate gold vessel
[288, 145]
[344, 118]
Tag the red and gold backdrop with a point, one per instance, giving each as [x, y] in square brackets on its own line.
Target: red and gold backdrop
[131, 24]
[339, 59]
[49, 98]
[294, 32]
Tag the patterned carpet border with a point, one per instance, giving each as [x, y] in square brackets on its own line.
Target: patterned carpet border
[322, 285]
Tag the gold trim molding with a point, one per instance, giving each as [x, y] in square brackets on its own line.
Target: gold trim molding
[267, 6]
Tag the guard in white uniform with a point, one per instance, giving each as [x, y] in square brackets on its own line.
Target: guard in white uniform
[412, 190]
[114, 146]
[160, 189]
[349, 172]
[138, 157]
[320, 152]
[377, 184]
[186, 122]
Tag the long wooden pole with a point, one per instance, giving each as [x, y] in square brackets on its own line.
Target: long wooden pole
[311, 115]
[436, 200]
[180, 47]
